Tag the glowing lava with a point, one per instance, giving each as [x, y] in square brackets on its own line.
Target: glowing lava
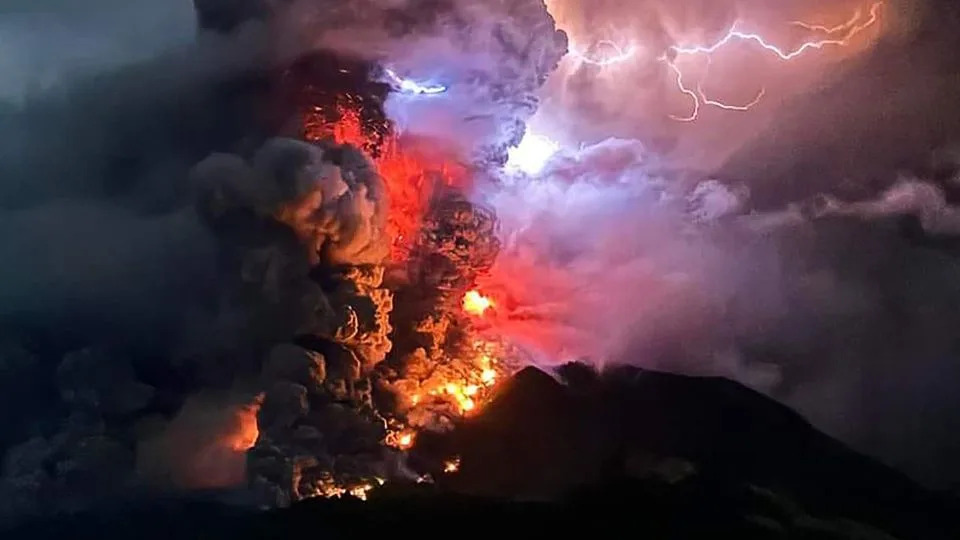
[402, 440]
[410, 177]
[475, 303]
[451, 465]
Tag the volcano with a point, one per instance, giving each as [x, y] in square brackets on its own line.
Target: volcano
[321, 279]
[627, 449]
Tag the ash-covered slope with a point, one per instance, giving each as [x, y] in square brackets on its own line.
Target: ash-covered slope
[651, 454]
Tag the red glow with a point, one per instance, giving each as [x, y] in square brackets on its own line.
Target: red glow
[476, 304]
[411, 174]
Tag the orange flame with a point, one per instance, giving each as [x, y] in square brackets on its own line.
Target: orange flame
[452, 465]
[475, 303]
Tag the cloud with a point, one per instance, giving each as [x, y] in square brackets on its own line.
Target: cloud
[44, 44]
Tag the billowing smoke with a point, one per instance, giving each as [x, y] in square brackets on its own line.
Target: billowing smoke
[491, 57]
[199, 268]
[203, 303]
[822, 303]
[783, 246]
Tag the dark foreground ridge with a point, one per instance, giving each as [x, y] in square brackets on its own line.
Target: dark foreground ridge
[645, 453]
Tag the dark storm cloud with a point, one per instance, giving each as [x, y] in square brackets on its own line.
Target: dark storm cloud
[871, 118]
[884, 376]
[45, 43]
[98, 136]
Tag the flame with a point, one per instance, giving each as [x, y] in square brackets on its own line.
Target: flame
[360, 491]
[475, 303]
[329, 488]
[401, 439]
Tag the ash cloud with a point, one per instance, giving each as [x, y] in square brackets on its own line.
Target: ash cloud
[46, 44]
[844, 310]
[105, 257]
[492, 57]
[820, 263]
[585, 103]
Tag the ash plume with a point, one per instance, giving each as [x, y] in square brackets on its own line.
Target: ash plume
[491, 57]
[820, 304]
[804, 247]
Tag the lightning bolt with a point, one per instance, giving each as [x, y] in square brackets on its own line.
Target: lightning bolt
[699, 97]
[621, 54]
[734, 34]
[839, 35]
[833, 29]
[409, 86]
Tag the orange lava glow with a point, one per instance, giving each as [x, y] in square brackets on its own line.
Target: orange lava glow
[451, 466]
[412, 174]
[402, 440]
[475, 303]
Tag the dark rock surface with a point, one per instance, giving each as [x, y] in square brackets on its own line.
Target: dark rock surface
[540, 439]
[628, 451]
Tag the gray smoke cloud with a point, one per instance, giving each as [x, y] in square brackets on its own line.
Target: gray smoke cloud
[491, 56]
[818, 264]
[844, 310]
[95, 188]
[46, 44]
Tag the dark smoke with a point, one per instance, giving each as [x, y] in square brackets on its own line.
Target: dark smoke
[180, 272]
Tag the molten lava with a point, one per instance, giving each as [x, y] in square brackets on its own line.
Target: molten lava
[475, 303]
[451, 465]
[439, 369]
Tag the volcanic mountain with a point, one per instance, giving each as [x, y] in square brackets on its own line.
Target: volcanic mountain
[624, 450]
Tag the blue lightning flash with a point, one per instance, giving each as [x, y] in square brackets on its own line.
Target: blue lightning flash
[410, 86]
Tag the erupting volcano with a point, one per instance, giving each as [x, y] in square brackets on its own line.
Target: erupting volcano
[511, 250]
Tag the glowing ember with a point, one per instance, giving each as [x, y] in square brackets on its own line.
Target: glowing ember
[475, 303]
[361, 491]
[401, 440]
[488, 376]
[452, 465]
[329, 488]
[532, 154]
